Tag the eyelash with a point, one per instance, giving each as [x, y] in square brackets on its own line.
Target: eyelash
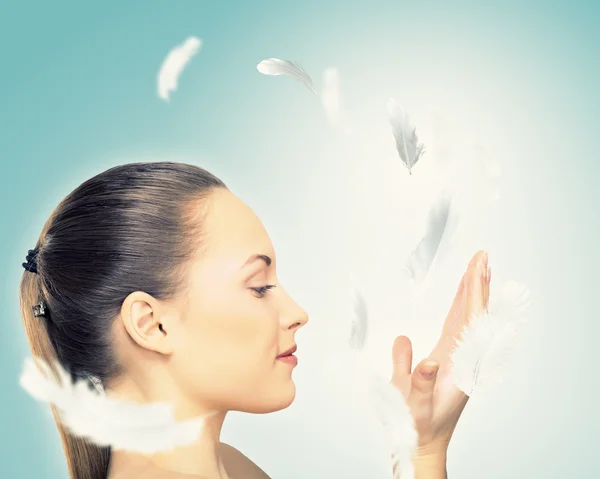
[263, 290]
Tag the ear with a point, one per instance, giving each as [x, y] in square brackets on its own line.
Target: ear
[146, 323]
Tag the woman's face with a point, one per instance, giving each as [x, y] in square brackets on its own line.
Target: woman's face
[233, 328]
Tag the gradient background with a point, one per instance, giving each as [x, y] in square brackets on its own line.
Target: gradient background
[78, 95]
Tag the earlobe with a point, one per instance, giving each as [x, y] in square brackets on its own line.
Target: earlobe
[141, 317]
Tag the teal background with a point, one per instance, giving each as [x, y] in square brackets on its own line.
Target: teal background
[78, 95]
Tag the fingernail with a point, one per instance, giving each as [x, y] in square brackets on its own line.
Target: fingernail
[489, 274]
[429, 370]
[483, 260]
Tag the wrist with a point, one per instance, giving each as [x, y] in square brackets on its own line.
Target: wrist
[430, 464]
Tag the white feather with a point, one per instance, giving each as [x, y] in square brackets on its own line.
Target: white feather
[389, 403]
[359, 315]
[442, 225]
[275, 66]
[398, 424]
[482, 352]
[332, 101]
[174, 64]
[106, 421]
[405, 133]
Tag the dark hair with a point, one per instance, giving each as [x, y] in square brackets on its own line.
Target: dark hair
[130, 228]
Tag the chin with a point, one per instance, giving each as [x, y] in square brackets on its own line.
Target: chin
[275, 399]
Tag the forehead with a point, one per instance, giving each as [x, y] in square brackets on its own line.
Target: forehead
[232, 228]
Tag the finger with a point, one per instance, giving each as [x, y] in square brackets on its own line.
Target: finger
[476, 286]
[459, 297]
[458, 315]
[488, 280]
[420, 398]
[459, 304]
[486, 287]
[401, 357]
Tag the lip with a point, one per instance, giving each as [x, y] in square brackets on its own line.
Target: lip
[289, 352]
[289, 359]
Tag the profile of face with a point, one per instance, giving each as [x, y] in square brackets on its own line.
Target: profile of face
[223, 336]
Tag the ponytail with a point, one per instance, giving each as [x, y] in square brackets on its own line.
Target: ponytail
[133, 227]
[84, 459]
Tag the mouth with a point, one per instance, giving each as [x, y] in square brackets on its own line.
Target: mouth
[289, 352]
[288, 356]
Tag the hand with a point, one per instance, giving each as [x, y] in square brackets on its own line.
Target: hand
[435, 402]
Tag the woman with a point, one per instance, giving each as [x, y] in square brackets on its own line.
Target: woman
[160, 282]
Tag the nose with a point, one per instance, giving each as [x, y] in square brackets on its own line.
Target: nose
[292, 315]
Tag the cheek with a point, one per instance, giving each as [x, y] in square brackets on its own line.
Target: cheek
[229, 345]
[242, 326]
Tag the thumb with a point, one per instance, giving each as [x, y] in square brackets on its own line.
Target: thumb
[420, 398]
[401, 357]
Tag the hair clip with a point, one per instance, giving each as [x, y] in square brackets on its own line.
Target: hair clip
[31, 264]
[39, 309]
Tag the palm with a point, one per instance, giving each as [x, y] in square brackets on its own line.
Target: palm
[448, 401]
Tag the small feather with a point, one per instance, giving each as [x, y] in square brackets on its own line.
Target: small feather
[482, 352]
[441, 227]
[106, 421]
[358, 331]
[174, 64]
[405, 133]
[389, 403]
[332, 101]
[398, 423]
[275, 66]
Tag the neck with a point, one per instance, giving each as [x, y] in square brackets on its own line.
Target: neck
[200, 459]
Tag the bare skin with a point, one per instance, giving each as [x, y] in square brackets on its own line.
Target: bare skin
[435, 402]
[236, 464]
[193, 351]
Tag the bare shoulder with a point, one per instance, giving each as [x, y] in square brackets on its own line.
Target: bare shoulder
[240, 466]
[138, 468]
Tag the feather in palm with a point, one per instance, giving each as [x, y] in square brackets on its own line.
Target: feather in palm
[482, 353]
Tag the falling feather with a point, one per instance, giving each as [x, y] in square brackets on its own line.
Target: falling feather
[407, 142]
[482, 353]
[442, 223]
[174, 64]
[398, 424]
[105, 421]
[359, 316]
[389, 403]
[332, 101]
[275, 66]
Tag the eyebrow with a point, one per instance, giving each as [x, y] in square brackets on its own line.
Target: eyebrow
[256, 257]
